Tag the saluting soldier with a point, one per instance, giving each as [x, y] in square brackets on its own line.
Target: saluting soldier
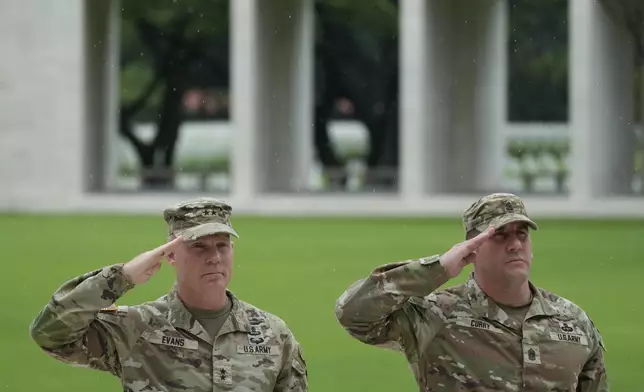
[496, 332]
[198, 337]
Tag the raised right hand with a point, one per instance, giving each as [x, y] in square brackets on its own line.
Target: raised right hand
[462, 254]
[141, 268]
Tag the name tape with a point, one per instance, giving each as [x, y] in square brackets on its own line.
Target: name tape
[478, 324]
[258, 349]
[174, 341]
[569, 337]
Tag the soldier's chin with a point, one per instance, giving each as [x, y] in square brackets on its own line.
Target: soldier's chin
[518, 271]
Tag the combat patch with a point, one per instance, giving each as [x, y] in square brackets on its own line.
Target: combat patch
[478, 324]
[566, 328]
[256, 335]
[258, 349]
[569, 337]
[173, 341]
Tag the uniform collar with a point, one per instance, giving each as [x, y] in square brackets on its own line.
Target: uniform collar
[484, 306]
[180, 317]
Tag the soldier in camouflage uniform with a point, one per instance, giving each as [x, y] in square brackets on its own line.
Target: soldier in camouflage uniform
[198, 337]
[496, 332]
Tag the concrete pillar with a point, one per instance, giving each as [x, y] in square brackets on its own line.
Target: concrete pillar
[102, 44]
[601, 117]
[413, 98]
[272, 95]
[285, 78]
[465, 95]
[42, 101]
[245, 120]
[439, 94]
[112, 107]
[492, 97]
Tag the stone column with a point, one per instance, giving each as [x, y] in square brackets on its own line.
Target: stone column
[465, 95]
[102, 45]
[272, 95]
[42, 101]
[414, 93]
[601, 106]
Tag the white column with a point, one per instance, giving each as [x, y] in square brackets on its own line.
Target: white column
[467, 52]
[245, 121]
[413, 98]
[492, 96]
[102, 52]
[42, 103]
[465, 95]
[580, 17]
[285, 80]
[438, 106]
[601, 106]
[616, 131]
[112, 89]
[94, 109]
[304, 85]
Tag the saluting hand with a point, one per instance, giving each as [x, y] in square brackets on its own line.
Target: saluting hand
[142, 267]
[462, 254]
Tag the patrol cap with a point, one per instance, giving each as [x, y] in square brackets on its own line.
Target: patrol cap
[496, 209]
[200, 217]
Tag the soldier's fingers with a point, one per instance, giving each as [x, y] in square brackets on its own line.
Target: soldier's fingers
[155, 268]
[166, 248]
[475, 242]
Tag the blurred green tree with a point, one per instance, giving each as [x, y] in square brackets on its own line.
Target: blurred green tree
[167, 47]
[538, 61]
[357, 59]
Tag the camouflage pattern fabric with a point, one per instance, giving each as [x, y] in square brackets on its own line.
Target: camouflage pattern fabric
[458, 339]
[496, 209]
[200, 217]
[158, 345]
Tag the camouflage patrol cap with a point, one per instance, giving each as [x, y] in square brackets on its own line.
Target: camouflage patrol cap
[496, 209]
[196, 218]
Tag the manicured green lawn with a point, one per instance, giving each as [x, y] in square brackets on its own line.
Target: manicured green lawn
[297, 268]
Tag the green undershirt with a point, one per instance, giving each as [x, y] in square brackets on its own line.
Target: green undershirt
[211, 320]
[516, 314]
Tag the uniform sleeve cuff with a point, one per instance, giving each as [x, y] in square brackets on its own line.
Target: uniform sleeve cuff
[416, 277]
[117, 281]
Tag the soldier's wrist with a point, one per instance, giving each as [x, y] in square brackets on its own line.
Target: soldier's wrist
[432, 261]
[121, 282]
[435, 265]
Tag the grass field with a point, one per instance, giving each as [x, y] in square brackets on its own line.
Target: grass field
[297, 268]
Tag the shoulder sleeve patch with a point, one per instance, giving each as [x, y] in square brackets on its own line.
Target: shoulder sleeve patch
[600, 339]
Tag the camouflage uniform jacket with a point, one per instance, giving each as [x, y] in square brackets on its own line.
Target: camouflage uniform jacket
[158, 346]
[457, 339]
